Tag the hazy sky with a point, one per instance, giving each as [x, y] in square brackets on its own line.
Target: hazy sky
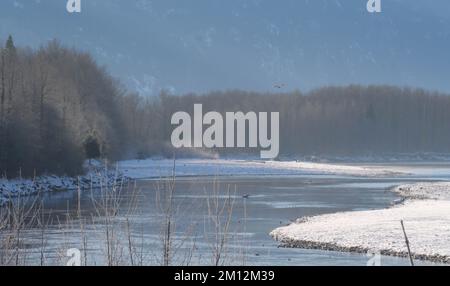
[202, 45]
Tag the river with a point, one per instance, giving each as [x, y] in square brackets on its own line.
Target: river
[259, 205]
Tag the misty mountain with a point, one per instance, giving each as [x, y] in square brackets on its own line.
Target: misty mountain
[203, 45]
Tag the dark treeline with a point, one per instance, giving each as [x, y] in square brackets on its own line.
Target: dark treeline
[348, 121]
[58, 107]
[52, 101]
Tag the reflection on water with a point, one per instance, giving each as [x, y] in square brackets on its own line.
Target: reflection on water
[260, 204]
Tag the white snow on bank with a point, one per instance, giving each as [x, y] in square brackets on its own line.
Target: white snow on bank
[435, 191]
[97, 175]
[427, 223]
[153, 168]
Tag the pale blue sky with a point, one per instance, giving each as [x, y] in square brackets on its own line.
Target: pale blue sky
[202, 45]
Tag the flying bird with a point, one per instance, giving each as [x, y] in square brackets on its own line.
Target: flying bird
[279, 86]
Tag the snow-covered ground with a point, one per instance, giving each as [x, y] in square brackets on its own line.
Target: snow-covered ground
[153, 168]
[97, 175]
[435, 191]
[425, 212]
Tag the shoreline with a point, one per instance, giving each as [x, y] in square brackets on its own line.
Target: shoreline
[97, 175]
[361, 250]
[140, 169]
[423, 207]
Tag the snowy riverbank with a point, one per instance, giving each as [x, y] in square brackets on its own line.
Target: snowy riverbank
[97, 175]
[425, 212]
[152, 168]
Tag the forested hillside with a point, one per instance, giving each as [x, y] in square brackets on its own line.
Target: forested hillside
[52, 101]
[58, 107]
[351, 120]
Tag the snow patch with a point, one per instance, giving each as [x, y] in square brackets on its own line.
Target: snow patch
[97, 175]
[426, 214]
[152, 168]
[432, 190]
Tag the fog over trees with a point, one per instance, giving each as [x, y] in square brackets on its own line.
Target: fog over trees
[58, 107]
[52, 100]
[352, 120]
